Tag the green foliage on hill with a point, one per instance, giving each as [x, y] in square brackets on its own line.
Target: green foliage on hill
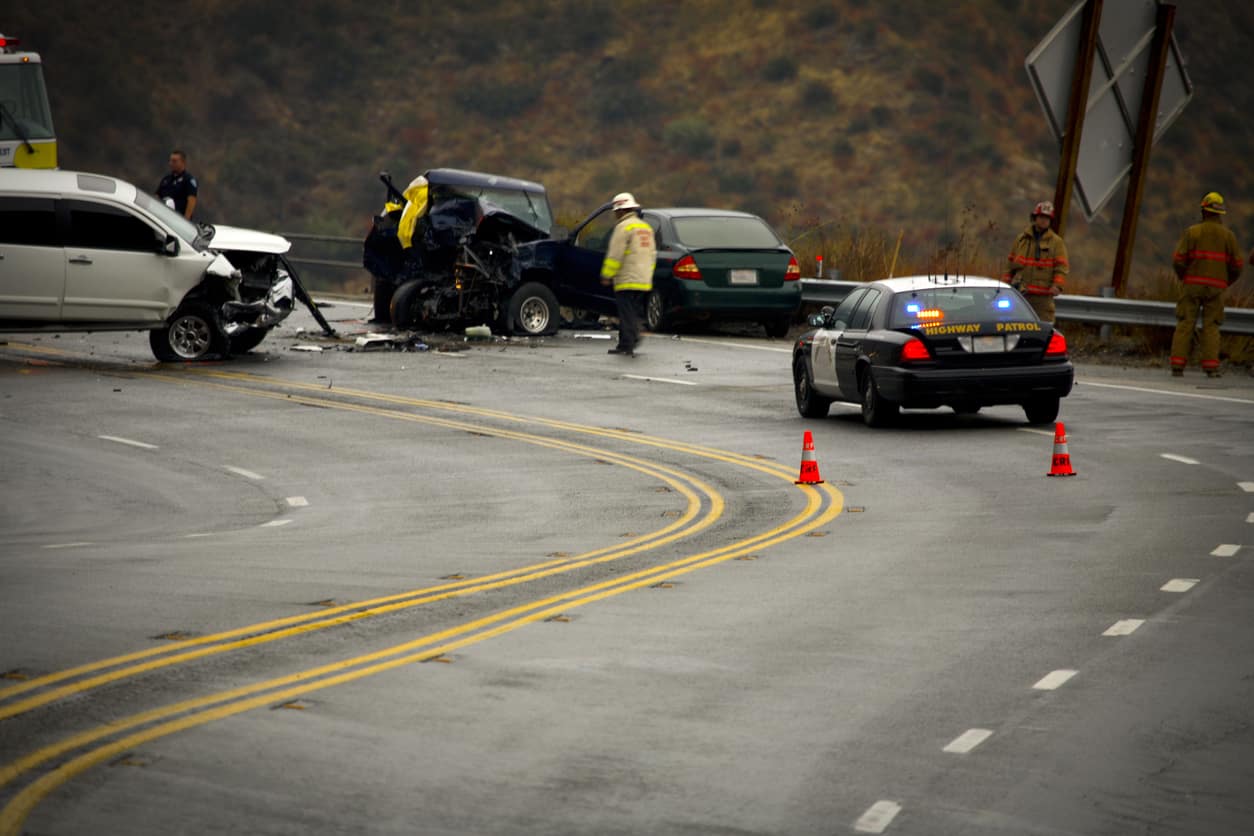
[847, 124]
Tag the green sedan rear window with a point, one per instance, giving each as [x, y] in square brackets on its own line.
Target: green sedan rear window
[724, 233]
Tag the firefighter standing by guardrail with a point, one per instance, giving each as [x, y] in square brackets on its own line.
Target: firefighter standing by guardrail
[1038, 263]
[1207, 261]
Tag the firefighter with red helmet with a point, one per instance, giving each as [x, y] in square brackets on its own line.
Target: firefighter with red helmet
[1038, 264]
[1207, 261]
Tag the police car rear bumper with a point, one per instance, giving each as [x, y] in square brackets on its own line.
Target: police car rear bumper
[927, 388]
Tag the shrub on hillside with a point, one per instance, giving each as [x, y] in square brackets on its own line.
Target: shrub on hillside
[928, 81]
[816, 95]
[780, 68]
[735, 181]
[689, 135]
[499, 100]
[820, 15]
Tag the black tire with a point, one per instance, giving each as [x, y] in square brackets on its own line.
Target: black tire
[777, 328]
[383, 293]
[191, 334]
[1041, 410]
[809, 402]
[403, 307]
[247, 340]
[533, 311]
[877, 411]
[655, 318]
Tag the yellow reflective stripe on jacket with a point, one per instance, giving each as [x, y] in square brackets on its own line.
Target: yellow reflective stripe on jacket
[610, 267]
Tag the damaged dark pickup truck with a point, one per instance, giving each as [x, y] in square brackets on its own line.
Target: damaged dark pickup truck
[468, 262]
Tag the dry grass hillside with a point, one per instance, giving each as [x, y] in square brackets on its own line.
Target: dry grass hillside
[847, 124]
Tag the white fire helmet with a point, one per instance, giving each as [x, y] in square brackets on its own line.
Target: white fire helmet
[624, 200]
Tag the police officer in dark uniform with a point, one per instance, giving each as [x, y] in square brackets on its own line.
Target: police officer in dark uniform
[179, 186]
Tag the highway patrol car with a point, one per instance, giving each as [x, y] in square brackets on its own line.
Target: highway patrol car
[926, 341]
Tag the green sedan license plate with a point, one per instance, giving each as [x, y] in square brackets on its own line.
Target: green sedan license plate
[743, 276]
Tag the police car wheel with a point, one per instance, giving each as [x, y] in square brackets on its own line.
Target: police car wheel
[533, 311]
[809, 403]
[877, 411]
[191, 334]
[1041, 410]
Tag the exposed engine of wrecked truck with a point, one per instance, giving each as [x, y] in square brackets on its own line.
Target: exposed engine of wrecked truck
[461, 268]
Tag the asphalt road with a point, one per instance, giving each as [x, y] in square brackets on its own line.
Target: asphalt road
[530, 588]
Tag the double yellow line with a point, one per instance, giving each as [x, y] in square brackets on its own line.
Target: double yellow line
[822, 506]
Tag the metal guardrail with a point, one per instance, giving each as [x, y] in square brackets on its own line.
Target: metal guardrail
[1077, 308]
[325, 239]
[1100, 310]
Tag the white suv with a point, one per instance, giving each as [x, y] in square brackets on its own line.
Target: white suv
[86, 252]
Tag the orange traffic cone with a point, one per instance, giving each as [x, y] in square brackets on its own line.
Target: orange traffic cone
[809, 467]
[1061, 465]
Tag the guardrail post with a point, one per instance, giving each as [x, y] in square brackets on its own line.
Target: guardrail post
[1103, 333]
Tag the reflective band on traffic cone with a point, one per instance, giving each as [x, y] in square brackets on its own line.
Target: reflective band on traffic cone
[1061, 465]
[809, 467]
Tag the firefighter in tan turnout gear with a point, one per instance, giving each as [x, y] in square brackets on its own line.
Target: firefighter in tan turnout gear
[1038, 264]
[1207, 260]
[628, 265]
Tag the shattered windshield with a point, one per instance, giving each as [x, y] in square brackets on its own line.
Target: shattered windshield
[532, 208]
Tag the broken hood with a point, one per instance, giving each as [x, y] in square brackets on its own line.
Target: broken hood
[237, 239]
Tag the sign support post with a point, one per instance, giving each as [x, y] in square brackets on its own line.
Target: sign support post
[1146, 120]
[1077, 104]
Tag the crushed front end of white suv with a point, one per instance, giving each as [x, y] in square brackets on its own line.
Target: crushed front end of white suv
[87, 252]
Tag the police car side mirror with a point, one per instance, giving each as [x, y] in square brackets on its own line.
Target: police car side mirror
[170, 245]
[817, 320]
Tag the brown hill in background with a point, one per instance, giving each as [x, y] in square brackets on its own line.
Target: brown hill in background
[846, 124]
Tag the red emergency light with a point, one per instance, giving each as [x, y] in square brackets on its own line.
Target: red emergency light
[6, 41]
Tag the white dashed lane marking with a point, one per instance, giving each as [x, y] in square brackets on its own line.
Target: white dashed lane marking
[128, 441]
[274, 523]
[968, 740]
[1248, 487]
[660, 379]
[1054, 679]
[1046, 433]
[247, 474]
[1182, 459]
[1124, 628]
[878, 817]
[1086, 382]
[1179, 585]
[297, 501]
[1250, 518]
[65, 545]
[1225, 550]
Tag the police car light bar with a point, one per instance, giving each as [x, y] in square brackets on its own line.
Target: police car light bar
[6, 41]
